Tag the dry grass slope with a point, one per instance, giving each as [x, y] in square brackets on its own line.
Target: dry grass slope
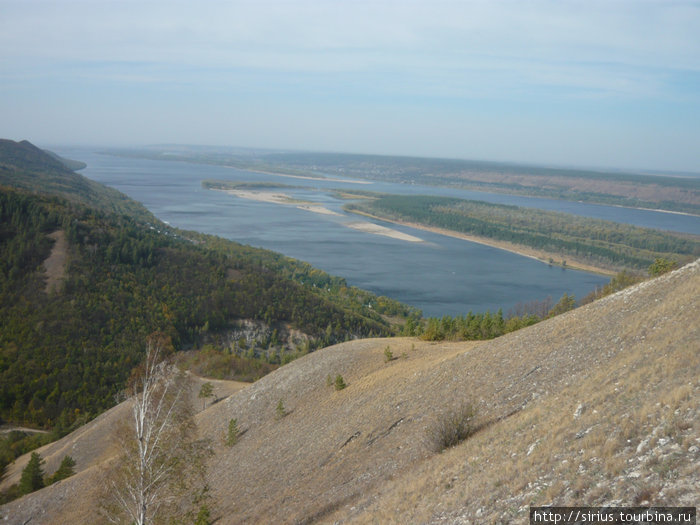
[599, 405]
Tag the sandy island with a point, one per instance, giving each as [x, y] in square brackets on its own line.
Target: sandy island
[263, 196]
[280, 198]
[283, 198]
[376, 229]
[319, 209]
[525, 251]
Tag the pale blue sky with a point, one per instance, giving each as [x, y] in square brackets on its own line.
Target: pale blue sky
[589, 83]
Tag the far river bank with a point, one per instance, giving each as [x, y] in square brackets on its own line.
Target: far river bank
[545, 257]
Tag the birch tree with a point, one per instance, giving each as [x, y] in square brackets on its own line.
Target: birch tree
[160, 472]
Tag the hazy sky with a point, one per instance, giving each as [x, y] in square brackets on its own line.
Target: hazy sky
[594, 83]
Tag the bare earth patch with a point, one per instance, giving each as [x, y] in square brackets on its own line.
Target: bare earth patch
[55, 264]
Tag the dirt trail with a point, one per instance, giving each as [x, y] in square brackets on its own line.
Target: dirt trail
[55, 264]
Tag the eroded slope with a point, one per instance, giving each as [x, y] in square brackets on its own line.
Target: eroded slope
[599, 405]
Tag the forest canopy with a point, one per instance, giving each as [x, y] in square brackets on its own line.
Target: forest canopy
[605, 243]
[66, 352]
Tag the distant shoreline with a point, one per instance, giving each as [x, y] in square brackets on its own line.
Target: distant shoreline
[524, 251]
[304, 177]
[659, 210]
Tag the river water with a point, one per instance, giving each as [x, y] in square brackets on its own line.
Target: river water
[441, 275]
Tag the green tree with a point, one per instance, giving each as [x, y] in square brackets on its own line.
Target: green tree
[566, 303]
[661, 266]
[205, 392]
[388, 355]
[33, 475]
[339, 382]
[280, 411]
[233, 432]
[162, 462]
[64, 471]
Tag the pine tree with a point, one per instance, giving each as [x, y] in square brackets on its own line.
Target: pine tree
[65, 470]
[32, 475]
[232, 435]
[280, 411]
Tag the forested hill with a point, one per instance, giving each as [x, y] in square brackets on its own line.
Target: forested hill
[23, 165]
[66, 350]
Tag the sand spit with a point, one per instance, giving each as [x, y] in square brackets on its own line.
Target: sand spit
[262, 196]
[319, 209]
[376, 229]
[283, 198]
[280, 198]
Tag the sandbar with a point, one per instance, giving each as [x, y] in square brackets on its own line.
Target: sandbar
[369, 227]
[262, 196]
[283, 198]
[318, 209]
[279, 198]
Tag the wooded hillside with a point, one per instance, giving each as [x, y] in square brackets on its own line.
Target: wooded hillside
[64, 354]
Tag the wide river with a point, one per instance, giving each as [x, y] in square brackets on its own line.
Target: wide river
[440, 275]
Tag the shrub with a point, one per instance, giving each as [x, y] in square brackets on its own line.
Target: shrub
[203, 516]
[232, 433]
[452, 427]
[280, 411]
[388, 355]
[661, 266]
[339, 382]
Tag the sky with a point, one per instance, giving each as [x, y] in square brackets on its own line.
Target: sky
[613, 83]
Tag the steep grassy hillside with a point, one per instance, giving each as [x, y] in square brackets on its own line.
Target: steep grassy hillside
[596, 406]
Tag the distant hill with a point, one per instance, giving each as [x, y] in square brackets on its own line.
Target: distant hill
[24, 166]
[598, 406]
[86, 274]
[73, 165]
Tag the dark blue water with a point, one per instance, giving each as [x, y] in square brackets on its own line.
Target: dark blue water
[441, 275]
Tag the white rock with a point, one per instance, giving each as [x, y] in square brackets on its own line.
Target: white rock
[532, 448]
